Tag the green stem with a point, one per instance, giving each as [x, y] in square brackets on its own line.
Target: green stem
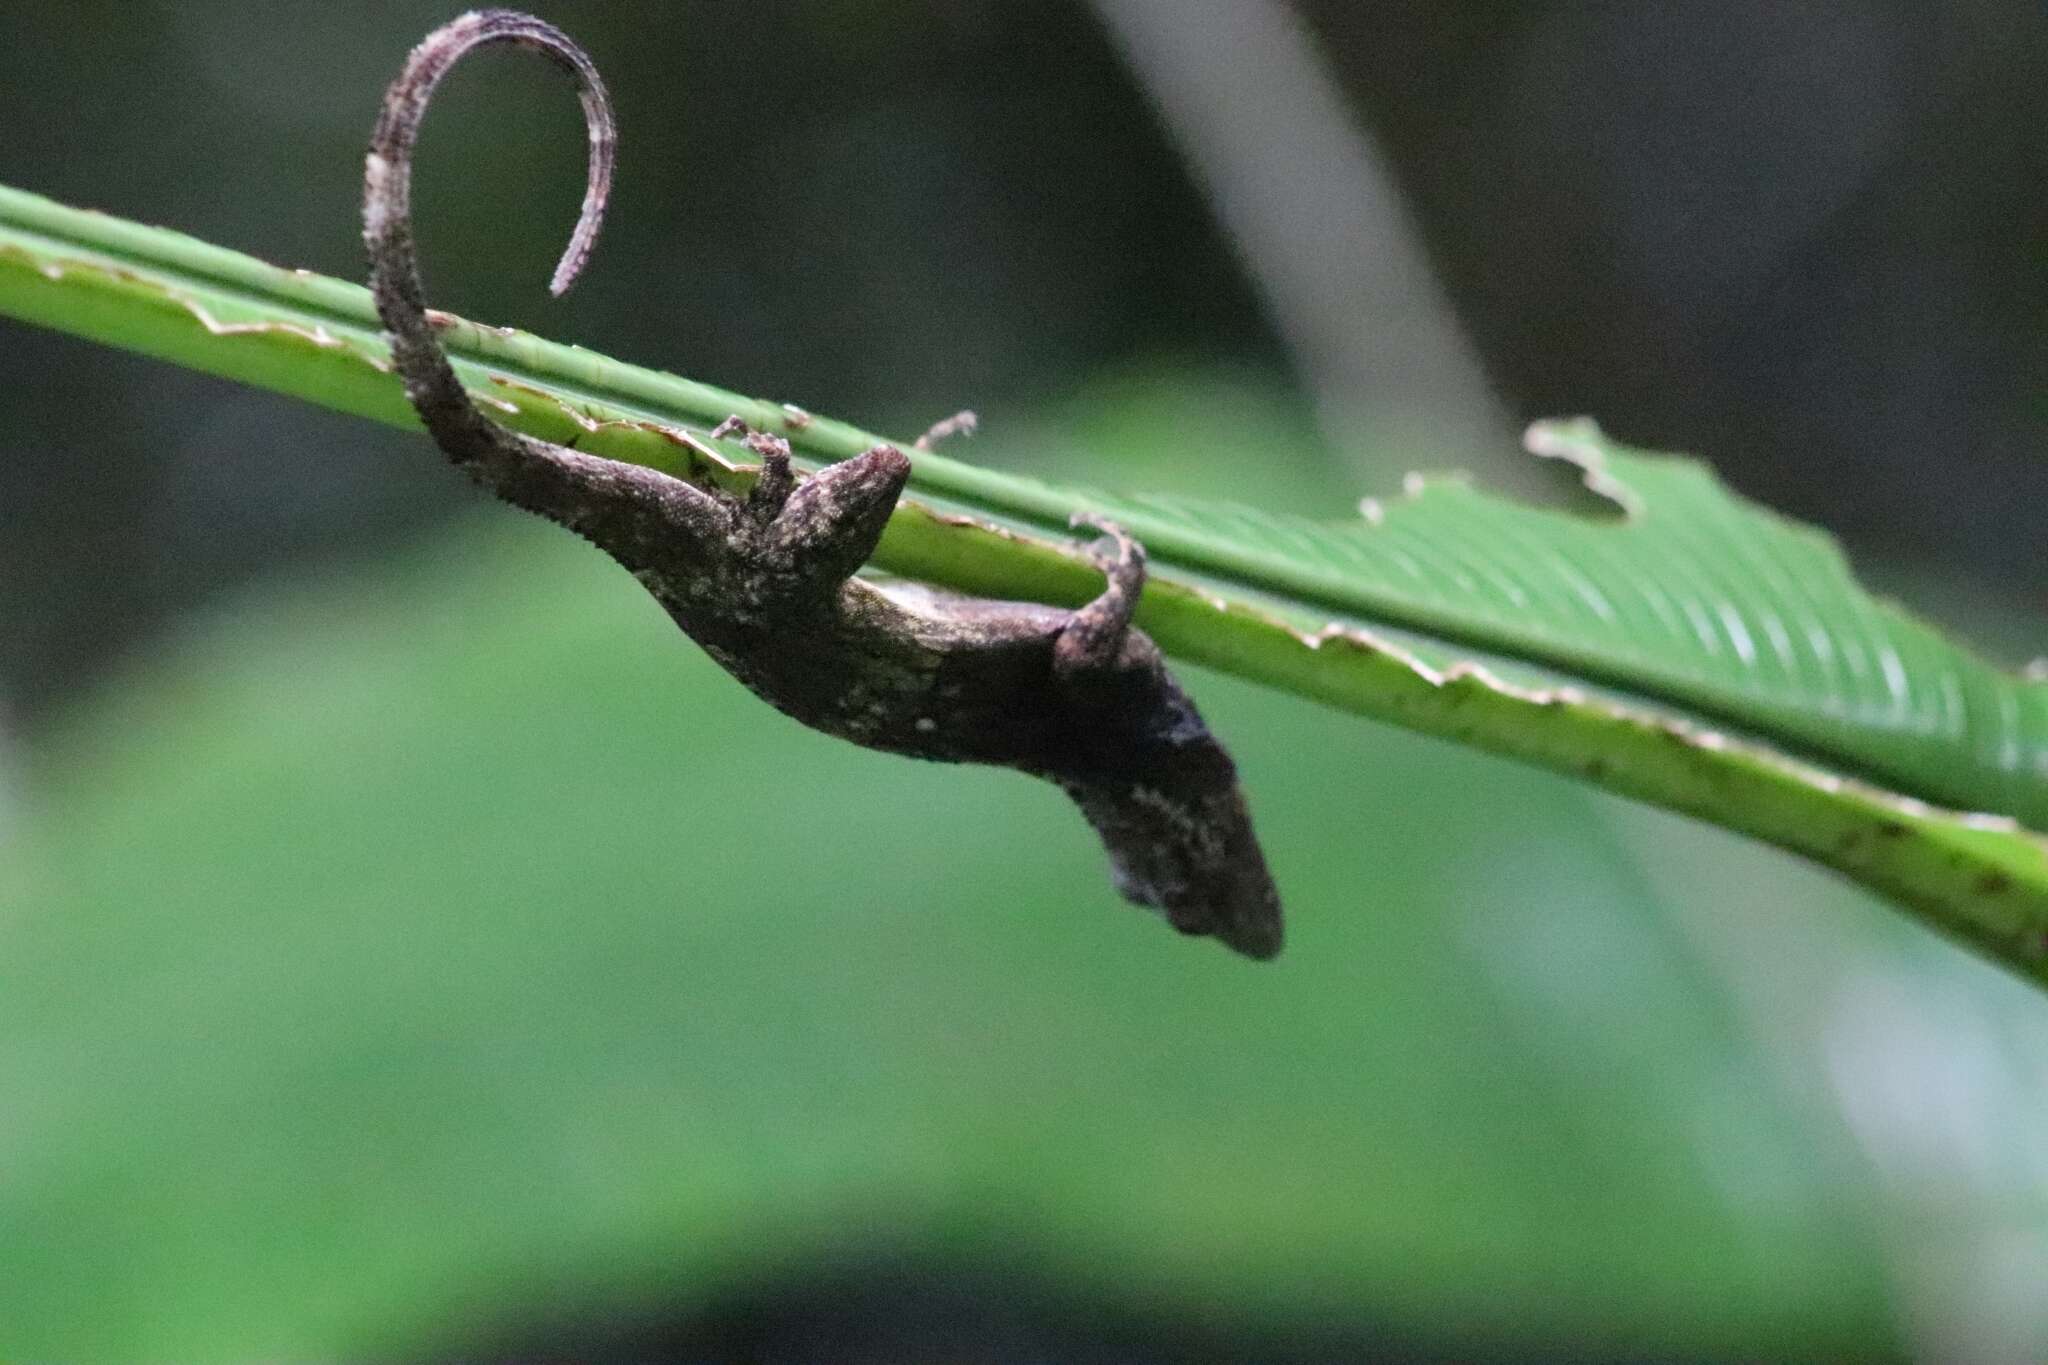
[1982, 880]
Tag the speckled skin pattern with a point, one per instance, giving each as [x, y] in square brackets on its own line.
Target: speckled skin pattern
[765, 582]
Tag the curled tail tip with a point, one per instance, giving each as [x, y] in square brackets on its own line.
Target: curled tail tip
[574, 257]
[387, 167]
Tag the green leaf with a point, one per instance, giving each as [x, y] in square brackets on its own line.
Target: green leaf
[1697, 652]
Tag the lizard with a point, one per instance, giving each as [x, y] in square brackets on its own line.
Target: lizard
[766, 582]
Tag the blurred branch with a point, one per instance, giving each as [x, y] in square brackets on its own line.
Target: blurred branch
[1252, 594]
[1318, 219]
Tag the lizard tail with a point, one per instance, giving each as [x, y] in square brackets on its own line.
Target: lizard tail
[430, 382]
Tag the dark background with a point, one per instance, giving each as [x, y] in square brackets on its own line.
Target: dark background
[298, 1067]
[1808, 241]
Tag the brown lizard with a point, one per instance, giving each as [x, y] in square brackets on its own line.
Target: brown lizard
[765, 582]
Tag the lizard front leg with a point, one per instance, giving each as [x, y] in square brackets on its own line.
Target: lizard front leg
[1157, 786]
[1093, 638]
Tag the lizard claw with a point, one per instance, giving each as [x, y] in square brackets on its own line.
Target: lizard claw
[1127, 556]
[961, 423]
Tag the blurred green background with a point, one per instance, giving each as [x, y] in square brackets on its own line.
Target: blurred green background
[414, 948]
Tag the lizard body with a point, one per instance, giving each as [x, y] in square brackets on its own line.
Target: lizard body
[765, 583]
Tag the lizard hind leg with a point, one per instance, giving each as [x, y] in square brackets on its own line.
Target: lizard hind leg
[832, 523]
[770, 493]
[819, 532]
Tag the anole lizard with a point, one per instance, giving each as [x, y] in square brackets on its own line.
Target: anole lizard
[765, 582]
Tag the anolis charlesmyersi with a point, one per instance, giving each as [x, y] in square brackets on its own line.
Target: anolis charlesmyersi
[765, 582]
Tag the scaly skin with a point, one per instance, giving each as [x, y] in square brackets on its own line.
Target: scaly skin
[765, 583]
